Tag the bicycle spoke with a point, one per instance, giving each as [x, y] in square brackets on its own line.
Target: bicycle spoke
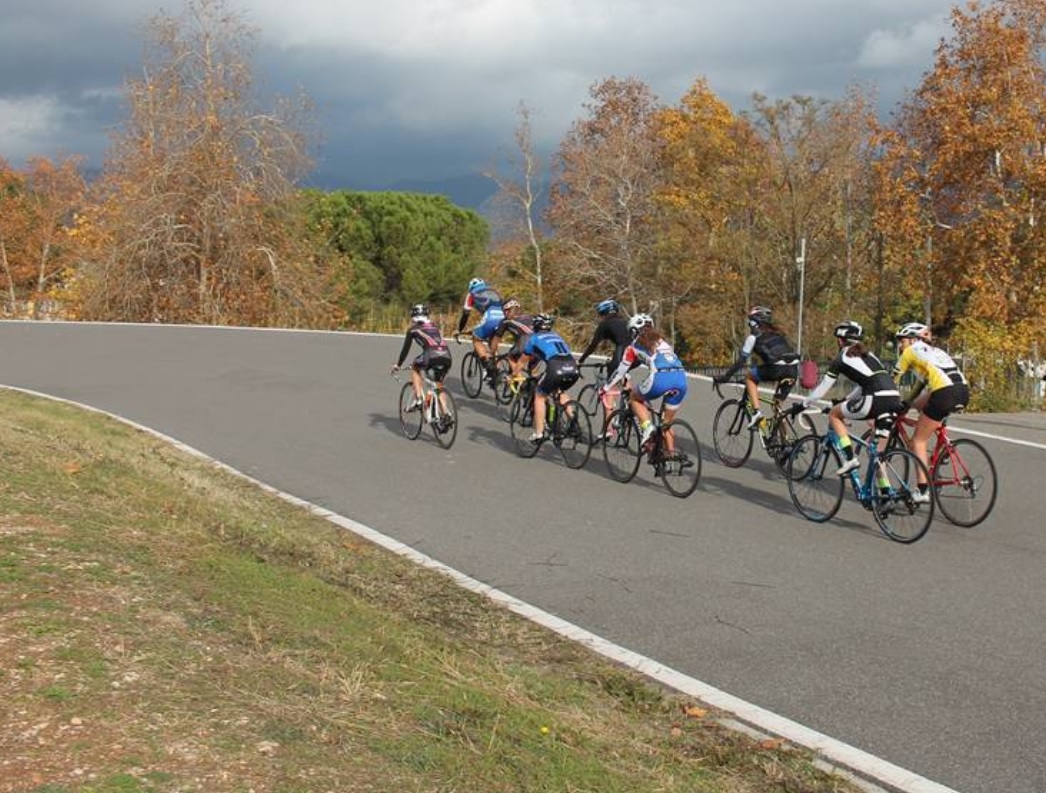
[680, 469]
[472, 374]
[522, 422]
[621, 446]
[730, 434]
[813, 485]
[897, 514]
[573, 433]
[965, 482]
[411, 418]
[445, 427]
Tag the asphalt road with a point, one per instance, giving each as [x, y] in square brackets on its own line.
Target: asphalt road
[931, 656]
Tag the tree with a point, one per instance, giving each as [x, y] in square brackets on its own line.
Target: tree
[196, 219]
[603, 203]
[37, 245]
[519, 189]
[965, 170]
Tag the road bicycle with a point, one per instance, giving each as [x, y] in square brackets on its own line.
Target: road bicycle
[566, 425]
[777, 433]
[962, 473]
[437, 409]
[474, 375]
[679, 469]
[599, 409]
[887, 487]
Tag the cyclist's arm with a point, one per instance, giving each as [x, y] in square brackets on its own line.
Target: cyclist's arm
[742, 357]
[627, 361]
[597, 337]
[463, 320]
[822, 388]
[406, 348]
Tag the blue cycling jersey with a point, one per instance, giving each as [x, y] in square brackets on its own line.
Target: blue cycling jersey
[545, 345]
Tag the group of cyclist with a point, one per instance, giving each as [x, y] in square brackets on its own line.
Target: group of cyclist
[940, 389]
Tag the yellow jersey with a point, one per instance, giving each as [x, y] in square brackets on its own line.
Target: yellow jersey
[931, 365]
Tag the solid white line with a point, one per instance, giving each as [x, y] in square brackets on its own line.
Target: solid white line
[838, 752]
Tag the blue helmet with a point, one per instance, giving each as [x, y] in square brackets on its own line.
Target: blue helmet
[476, 284]
[608, 306]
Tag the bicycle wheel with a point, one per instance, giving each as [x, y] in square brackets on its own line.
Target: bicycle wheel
[779, 444]
[900, 518]
[445, 427]
[593, 406]
[621, 446]
[503, 393]
[680, 470]
[965, 482]
[813, 485]
[730, 434]
[411, 418]
[522, 423]
[572, 434]
[472, 374]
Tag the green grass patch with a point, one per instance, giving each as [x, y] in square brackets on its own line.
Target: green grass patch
[170, 628]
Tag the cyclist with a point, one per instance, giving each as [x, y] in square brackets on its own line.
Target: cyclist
[612, 327]
[519, 325]
[561, 370]
[940, 388]
[778, 361]
[874, 397]
[434, 357]
[486, 301]
[666, 377]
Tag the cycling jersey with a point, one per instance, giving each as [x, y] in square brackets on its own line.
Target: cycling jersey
[435, 355]
[486, 300]
[561, 370]
[865, 371]
[777, 360]
[613, 329]
[665, 372]
[933, 367]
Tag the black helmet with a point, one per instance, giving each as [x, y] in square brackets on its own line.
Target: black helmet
[759, 315]
[543, 322]
[849, 331]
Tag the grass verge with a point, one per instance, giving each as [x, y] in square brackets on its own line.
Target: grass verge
[166, 626]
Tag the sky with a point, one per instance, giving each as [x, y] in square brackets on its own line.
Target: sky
[416, 90]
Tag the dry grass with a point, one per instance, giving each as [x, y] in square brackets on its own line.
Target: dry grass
[166, 627]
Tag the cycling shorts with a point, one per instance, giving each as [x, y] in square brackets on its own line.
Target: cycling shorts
[669, 383]
[880, 408]
[561, 372]
[490, 322]
[774, 372]
[945, 401]
[436, 363]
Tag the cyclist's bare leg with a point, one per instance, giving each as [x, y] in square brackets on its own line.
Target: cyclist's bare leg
[668, 415]
[925, 428]
[482, 349]
[539, 412]
[639, 407]
[752, 387]
[419, 384]
[838, 425]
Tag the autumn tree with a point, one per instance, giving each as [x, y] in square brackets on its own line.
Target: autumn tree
[603, 203]
[966, 181]
[520, 181]
[37, 245]
[196, 219]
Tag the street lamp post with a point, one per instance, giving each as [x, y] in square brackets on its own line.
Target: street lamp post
[800, 262]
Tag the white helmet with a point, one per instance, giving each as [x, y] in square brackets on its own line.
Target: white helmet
[913, 330]
[638, 322]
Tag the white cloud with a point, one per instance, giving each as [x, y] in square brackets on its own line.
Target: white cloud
[25, 122]
[911, 45]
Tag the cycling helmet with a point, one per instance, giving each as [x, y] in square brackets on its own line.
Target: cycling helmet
[511, 304]
[849, 331]
[419, 312]
[543, 322]
[608, 306]
[476, 284]
[638, 322]
[759, 315]
[913, 330]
